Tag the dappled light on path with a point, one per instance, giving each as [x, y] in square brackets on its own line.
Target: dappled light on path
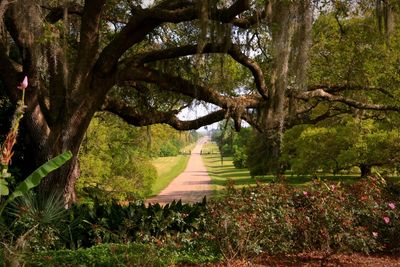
[190, 186]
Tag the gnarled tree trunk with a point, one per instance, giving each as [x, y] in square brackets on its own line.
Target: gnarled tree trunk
[287, 19]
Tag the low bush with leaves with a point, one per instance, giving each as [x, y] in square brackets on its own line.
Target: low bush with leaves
[104, 255]
[363, 217]
[132, 254]
[112, 222]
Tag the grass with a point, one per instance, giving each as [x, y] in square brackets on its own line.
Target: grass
[222, 172]
[167, 169]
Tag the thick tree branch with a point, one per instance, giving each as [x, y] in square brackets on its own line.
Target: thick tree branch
[341, 88]
[57, 13]
[232, 49]
[138, 117]
[146, 20]
[308, 119]
[89, 41]
[176, 84]
[247, 22]
[322, 94]
[255, 69]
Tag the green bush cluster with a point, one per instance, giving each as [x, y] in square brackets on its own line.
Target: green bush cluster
[104, 255]
[115, 223]
[363, 217]
[131, 254]
[273, 219]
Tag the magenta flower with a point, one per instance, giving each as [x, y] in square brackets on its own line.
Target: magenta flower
[305, 193]
[23, 84]
[392, 205]
[386, 219]
[375, 234]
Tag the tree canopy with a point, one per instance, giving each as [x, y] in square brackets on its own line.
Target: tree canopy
[145, 63]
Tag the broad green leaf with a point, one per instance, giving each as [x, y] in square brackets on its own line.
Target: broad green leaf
[35, 178]
[3, 187]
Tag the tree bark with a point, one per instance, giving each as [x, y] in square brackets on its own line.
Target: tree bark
[366, 170]
[274, 115]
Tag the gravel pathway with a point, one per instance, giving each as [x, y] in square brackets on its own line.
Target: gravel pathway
[191, 185]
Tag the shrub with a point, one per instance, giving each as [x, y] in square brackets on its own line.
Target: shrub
[111, 222]
[103, 255]
[239, 157]
[281, 219]
[36, 222]
[168, 149]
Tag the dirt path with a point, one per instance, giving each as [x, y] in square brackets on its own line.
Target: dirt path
[191, 185]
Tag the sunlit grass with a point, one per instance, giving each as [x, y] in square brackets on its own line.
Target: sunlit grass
[168, 168]
[222, 172]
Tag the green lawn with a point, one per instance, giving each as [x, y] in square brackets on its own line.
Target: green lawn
[167, 169]
[221, 173]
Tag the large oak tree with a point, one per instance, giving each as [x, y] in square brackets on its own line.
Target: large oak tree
[146, 63]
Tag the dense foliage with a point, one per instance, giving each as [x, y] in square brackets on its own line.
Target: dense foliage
[232, 143]
[326, 217]
[273, 219]
[335, 136]
[115, 157]
[113, 223]
[310, 149]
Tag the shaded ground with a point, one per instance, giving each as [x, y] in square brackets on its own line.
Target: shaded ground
[191, 185]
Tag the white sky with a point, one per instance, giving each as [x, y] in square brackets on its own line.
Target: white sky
[198, 111]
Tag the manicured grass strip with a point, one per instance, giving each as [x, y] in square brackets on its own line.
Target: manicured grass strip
[167, 169]
[223, 172]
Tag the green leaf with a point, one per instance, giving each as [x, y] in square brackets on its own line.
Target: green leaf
[36, 177]
[3, 187]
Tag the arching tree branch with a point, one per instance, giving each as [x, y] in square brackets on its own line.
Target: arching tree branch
[89, 40]
[322, 94]
[247, 22]
[176, 84]
[146, 20]
[231, 49]
[56, 13]
[138, 117]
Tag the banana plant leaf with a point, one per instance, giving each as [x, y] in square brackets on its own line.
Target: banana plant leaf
[36, 177]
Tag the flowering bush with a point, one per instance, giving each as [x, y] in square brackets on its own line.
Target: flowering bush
[280, 219]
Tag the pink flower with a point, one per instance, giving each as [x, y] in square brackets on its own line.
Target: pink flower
[23, 84]
[305, 193]
[333, 187]
[375, 234]
[392, 205]
[386, 219]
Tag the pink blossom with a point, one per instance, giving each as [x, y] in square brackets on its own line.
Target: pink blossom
[333, 187]
[23, 84]
[375, 234]
[386, 219]
[305, 193]
[392, 205]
